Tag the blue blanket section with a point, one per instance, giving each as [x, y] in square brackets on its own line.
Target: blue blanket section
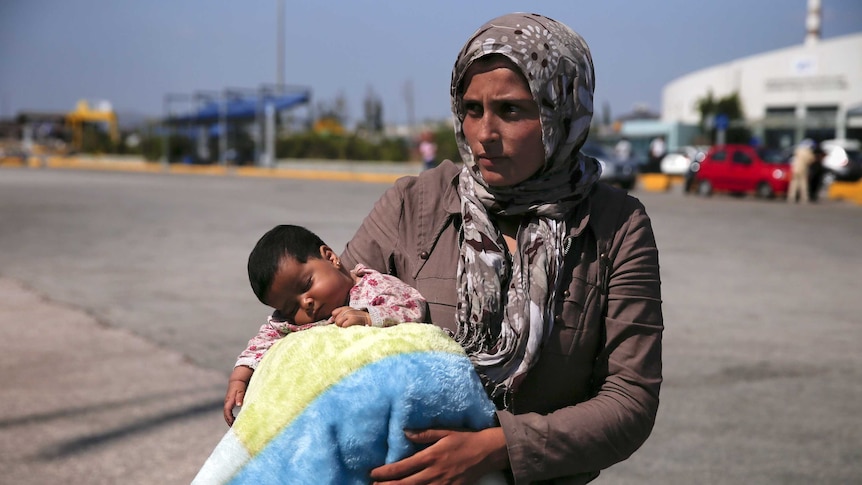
[358, 424]
[328, 405]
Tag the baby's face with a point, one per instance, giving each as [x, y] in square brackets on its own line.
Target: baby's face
[308, 292]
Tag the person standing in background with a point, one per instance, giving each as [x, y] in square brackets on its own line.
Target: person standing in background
[428, 150]
[802, 159]
[623, 149]
[816, 171]
[657, 151]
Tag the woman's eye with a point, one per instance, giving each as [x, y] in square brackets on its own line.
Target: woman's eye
[473, 109]
[511, 109]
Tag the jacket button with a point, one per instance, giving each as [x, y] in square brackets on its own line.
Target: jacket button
[423, 255]
[558, 319]
[567, 293]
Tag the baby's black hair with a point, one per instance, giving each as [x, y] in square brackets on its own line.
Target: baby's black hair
[284, 240]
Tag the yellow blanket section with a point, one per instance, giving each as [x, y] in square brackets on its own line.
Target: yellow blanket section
[305, 364]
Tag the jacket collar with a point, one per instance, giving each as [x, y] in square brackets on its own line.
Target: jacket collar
[580, 219]
[453, 201]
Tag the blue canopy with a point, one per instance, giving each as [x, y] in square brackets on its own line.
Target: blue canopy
[242, 108]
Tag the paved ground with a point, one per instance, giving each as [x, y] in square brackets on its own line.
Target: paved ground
[124, 302]
[88, 403]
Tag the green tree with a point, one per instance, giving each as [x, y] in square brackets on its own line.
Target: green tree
[447, 148]
[332, 116]
[730, 106]
[96, 140]
[372, 106]
[341, 147]
[152, 147]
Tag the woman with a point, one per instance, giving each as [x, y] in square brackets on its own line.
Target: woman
[549, 280]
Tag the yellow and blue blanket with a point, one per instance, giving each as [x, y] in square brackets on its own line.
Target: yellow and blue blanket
[329, 404]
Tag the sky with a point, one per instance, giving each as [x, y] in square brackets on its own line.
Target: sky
[134, 53]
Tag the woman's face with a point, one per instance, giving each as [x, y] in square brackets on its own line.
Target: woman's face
[501, 123]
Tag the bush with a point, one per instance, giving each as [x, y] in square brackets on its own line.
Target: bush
[447, 148]
[299, 146]
[333, 147]
[152, 147]
[96, 140]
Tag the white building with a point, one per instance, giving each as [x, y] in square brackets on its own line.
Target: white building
[813, 90]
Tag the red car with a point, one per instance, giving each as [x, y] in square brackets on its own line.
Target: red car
[743, 169]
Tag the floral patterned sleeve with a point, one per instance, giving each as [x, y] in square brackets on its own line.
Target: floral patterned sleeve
[387, 299]
[268, 335]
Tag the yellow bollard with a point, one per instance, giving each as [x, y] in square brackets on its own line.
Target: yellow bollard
[654, 182]
[846, 190]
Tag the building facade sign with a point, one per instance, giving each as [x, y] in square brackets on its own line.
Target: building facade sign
[814, 83]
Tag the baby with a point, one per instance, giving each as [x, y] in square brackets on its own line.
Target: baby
[291, 270]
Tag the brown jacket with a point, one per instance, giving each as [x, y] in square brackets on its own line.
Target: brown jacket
[591, 399]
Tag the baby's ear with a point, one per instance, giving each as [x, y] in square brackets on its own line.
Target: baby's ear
[328, 254]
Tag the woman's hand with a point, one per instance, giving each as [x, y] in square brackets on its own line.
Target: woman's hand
[346, 317]
[454, 457]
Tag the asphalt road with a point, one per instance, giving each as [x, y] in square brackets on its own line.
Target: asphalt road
[763, 373]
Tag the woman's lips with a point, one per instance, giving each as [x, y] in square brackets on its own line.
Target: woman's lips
[486, 160]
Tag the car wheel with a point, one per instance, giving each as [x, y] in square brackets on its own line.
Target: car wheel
[764, 191]
[704, 188]
[828, 179]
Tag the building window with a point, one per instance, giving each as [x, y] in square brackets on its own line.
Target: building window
[781, 111]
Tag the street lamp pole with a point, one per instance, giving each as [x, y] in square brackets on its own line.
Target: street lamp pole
[280, 47]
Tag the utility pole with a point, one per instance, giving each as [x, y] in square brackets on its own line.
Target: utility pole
[408, 98]
[267, 159]
[280, 46]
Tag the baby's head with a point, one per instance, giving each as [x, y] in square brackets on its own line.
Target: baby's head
[293, 271]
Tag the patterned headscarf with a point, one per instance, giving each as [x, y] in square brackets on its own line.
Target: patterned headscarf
[505, 306]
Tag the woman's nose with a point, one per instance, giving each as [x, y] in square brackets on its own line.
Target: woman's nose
[488, 129]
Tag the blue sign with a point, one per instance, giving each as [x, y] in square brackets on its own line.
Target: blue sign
[721, 121]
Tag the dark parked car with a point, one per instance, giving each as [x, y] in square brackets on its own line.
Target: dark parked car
[622, 173]
[743, 169]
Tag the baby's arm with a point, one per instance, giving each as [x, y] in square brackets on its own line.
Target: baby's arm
[245, 365]
[236, 386]
[259, 344]
[388, 300]
[346, 316]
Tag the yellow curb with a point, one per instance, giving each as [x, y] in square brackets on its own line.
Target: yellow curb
[846, 190]
[675, 180]
[654, 182]
[317, 175]
[11, 162]
[199, 169]
[55, 162]
[92, 164]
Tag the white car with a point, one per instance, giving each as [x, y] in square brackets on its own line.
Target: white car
[678, 162]
[841, 160]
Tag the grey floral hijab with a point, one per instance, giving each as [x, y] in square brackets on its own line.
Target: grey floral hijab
[503, 331]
